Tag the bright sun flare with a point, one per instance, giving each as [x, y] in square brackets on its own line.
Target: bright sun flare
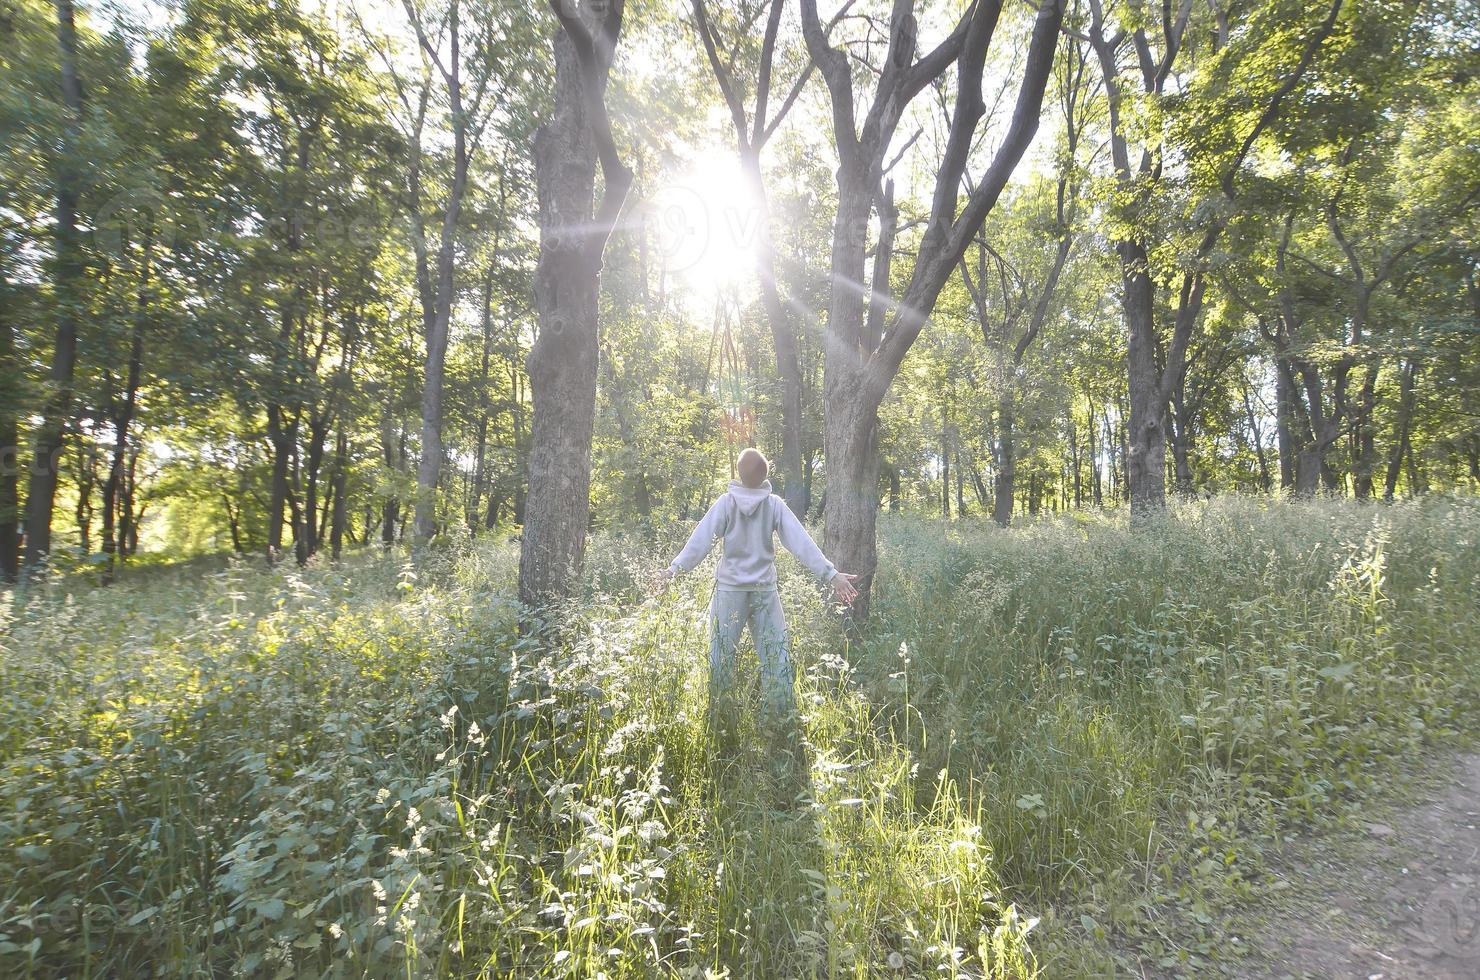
[708, 224]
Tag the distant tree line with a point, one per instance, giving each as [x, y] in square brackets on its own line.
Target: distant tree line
[278, 283]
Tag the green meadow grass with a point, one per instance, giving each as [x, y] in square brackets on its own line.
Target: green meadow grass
[1058, 748]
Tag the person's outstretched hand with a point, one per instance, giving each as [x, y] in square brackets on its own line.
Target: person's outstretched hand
[661, 581]
[843, 590]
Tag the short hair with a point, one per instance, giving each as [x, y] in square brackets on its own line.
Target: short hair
[753, 467]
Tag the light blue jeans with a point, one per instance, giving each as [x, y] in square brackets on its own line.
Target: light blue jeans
[729, 612]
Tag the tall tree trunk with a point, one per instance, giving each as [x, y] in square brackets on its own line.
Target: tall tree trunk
[945, 463]
[1364, 436]
[480, 455]
[1094, 457]
[390, 516]
[849, 427]
[1308, 464]
[960, 486]
[807, 466]
[313, 528]
[390, 508]
[123, 414]
[1145, 432]
[562, 365]
[51, 435]
[1404, 424]
[1321, 429]
[437, 325]
[340, 517]
[122, 418]
[1285, 396]
[296, 509]
[429, 466]
[129, 518]
[861, 360]
[10, 448]
[1256, 439]
[87, 479]
[282, 434]
[1112, 451]
[1075, 462]
[326, 511]
[983, 499]
[1006, 464]
[1179, 414]
[563, 362]
[233, 523]
[1415, 475]
[1123, 491]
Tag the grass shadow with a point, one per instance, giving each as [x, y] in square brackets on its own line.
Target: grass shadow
[763, 847]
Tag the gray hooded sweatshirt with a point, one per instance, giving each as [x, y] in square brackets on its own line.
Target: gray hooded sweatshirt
[747, 517]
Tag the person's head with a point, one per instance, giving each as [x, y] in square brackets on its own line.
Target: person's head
[752, 467]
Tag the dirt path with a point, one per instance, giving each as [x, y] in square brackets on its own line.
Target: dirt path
[1397, 899]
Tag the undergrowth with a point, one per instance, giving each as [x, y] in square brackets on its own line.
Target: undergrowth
[368, 771]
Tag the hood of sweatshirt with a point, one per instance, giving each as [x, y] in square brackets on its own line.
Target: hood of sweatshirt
[749, 499]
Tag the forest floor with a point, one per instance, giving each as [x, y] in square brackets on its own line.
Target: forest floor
[1394, 896]
[1247, 746]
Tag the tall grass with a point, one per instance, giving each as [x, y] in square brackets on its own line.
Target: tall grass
[368, 770]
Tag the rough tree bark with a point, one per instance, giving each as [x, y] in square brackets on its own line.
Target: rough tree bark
[563, 362]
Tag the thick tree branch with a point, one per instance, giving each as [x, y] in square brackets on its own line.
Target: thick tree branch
[721, 71]
[946, 240]
[594, 52]
[1272, 111]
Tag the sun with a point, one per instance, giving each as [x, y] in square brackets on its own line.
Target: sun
[708, 224]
